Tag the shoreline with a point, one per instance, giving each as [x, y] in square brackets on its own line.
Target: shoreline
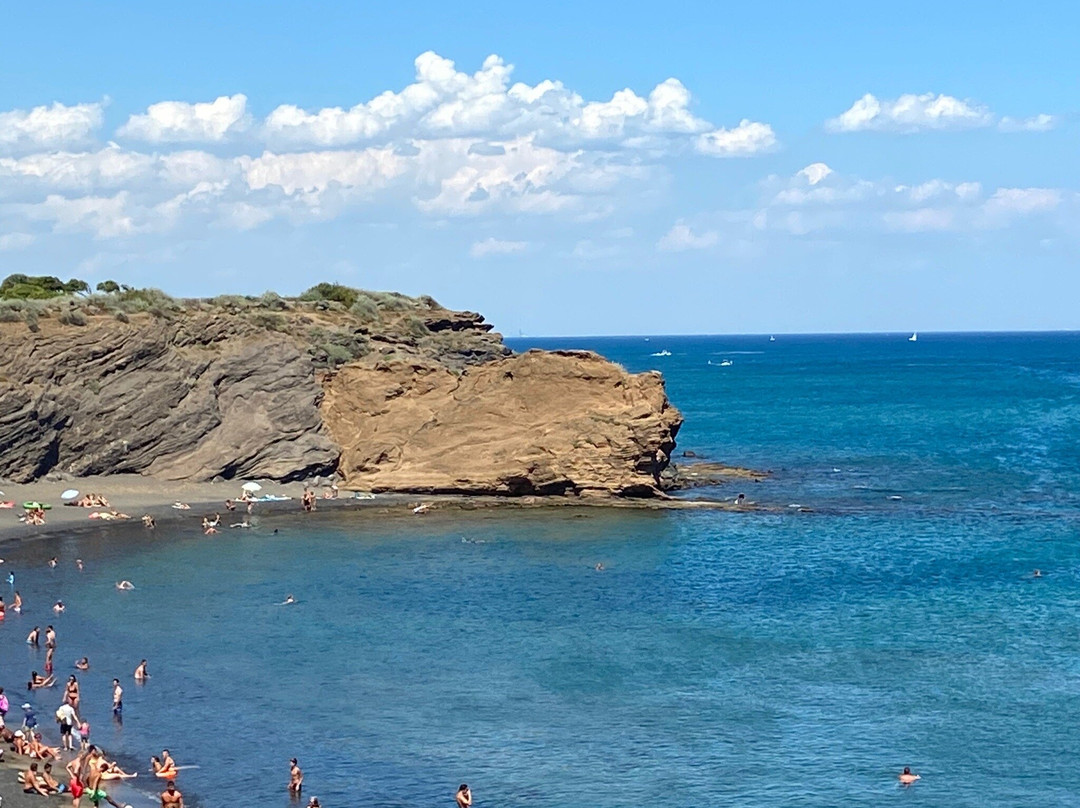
[137, 496]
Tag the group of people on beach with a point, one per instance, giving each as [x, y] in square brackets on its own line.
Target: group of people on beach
[87, 772]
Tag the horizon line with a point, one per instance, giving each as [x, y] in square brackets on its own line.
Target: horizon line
[765, 334]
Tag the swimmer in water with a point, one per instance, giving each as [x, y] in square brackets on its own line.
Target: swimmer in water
[37, 681]
[288, 601]
[79, 564]
[125, 585]
[53, 562]
[907, 778]
[599, 566]
[141, 673]
[16, 605]
[58, 607]
[83, 664]
[32, 637]
[1036, 574]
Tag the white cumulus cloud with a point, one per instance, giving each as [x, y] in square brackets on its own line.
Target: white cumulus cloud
[444, 102]
[910, 113]
[494, 246]
[180, 122]
[748, 138]
[48, 127]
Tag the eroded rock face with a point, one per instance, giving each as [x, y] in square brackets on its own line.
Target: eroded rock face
[189, 399]
[537, 423]
[427, 400]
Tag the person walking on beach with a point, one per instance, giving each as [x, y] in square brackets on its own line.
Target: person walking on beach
[170, 797]
[296, 778]
[68, 719]
[463, 798]
[117, 698]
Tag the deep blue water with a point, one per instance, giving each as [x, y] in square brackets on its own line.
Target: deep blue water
[752, 659]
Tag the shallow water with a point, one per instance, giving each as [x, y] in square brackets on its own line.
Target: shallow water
[720, 658]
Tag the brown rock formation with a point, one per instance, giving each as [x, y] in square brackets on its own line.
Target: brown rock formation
[538, 423]
[399, 396]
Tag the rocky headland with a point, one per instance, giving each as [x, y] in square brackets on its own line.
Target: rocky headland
[387, 393]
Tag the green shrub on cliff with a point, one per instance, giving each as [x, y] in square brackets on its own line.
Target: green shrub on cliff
[39, 287]
[345, 295]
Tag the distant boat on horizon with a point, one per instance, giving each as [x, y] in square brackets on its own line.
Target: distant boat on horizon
[772, 339]
[914, 337]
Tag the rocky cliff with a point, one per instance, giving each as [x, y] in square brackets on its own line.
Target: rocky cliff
[394, 394]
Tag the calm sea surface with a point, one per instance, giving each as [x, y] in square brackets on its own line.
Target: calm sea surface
[747, 659]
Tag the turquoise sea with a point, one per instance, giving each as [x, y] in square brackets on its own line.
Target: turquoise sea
[779, 658]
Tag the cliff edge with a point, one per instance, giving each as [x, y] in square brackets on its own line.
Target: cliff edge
[389, 392]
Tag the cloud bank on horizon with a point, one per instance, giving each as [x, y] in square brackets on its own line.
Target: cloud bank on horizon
[523, 171]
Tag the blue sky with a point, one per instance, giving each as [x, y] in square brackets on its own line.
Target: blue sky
[617, 168]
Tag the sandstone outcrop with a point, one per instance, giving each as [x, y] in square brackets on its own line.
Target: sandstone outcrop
[562, 422]
[403, 396]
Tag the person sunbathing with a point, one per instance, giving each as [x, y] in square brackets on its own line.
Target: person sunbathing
[114, 772]
[42, 752]
[20, 744]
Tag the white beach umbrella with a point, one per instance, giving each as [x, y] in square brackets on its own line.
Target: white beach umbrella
[71, 493]
[251, 487]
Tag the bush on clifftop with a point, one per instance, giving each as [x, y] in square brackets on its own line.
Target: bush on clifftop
[39, 287]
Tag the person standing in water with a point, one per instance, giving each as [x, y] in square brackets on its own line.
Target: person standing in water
[141, 673]
[463, 798]
[170, 797]
[296, 778]
[117, 698]
[16, 605]
[32, 637]
[71, 692]
[50, 637]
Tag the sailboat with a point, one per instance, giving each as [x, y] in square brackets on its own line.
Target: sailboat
[772, 339]
[913, 338]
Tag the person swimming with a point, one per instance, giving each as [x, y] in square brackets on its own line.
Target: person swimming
[125, 585]
[37, 681]
[58, 607]
[289, 600]
[83, 664]
[907, 778]
[53, 562]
